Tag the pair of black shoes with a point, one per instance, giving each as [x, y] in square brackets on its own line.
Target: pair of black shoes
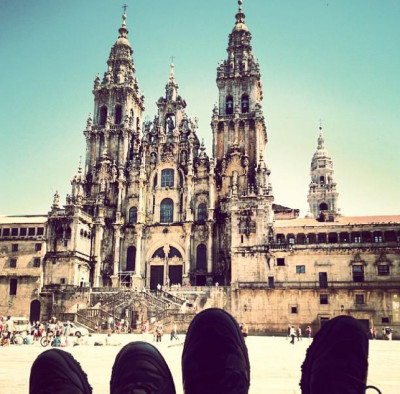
[214, 360]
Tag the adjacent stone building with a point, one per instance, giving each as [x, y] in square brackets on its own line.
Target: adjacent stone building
[149, 207]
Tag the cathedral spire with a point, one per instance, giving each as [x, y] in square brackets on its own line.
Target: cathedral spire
[322, 195]
[240, 15]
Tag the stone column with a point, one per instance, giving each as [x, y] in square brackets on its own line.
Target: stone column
[120, 149]
[117, 245]
[88, 151]
[125, 145]
[188, 234]
[209, 248]
[99, 231]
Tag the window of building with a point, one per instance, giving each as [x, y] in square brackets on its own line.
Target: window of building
[360, 299]
[383, 269]
[133, 215]
[378, 238]
[118, 114]
[229, 105]
[166, 211]
[271, 283]
[13, 286]
[38, 247]
[300, 269]
[201, 258]
[63, 281]
[31, 231]
[103, 115]
[245, 104]
[358, 273]
[280, 261]
[323, 299]
[385, 320]
[323, 206]
[14, 247]
[6, 232]
[23, 231]
[13, 263]
[293, 309]
[357, 239]
[202, 212]
[36, 262]
[291, 240]
[167, 178]
[14, 232]
[131, 259]
[40, 231]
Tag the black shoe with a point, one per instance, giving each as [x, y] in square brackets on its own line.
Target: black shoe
[140, 368]
[214, 358]
[56, 371]
[337, 360]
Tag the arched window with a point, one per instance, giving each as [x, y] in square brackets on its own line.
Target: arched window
[133, 215]
[323, 207]
[131, 259]
[229, 105]
[167, 178]
[159, 253]
[167, 211]
[322, 180]
[245, 104]
[103, 115]
[201, 258]
[118, 114]
[174, 252]
[202, 212]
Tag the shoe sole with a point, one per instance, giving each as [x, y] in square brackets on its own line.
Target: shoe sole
[72, 365]
[325, 336]
[146, 352]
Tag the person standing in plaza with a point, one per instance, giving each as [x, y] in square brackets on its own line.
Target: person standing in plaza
[308, 332]
[299, 337]
[292, 334]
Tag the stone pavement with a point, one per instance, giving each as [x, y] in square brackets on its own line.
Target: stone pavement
[275, 364]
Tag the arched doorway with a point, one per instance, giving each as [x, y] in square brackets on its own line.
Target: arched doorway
[166, 267]
[34, 314]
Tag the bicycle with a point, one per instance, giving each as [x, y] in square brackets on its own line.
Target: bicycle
[16, 338]
[47, 340]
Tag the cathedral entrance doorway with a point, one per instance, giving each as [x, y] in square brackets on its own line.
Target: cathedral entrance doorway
[175, 274]
[34, 313]
[156, 276]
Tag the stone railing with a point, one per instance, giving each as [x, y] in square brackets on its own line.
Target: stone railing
[371, 284]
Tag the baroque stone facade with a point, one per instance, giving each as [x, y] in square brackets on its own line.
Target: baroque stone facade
[149, 207]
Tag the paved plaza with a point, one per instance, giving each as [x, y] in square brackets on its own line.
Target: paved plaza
[275, 364]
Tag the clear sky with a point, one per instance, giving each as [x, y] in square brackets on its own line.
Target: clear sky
[335, 60]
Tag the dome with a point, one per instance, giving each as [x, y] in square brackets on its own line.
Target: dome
[240, 26]
[123, 41]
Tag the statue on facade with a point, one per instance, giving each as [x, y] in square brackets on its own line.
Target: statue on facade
[170, 124]
[56, 199]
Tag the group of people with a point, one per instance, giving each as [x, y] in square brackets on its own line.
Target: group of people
[293, 333]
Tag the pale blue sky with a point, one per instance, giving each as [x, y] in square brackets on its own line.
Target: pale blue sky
[338, 60]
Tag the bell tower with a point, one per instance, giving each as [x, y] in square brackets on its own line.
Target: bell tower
[118, 110]
[239, 131]
[244, 211]
[322, 195]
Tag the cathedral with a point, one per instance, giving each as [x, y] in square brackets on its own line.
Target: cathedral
[149, 207]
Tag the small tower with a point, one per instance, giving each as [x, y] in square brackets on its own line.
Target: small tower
[322, 196]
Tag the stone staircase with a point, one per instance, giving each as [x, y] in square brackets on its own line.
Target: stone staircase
[157, 307]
